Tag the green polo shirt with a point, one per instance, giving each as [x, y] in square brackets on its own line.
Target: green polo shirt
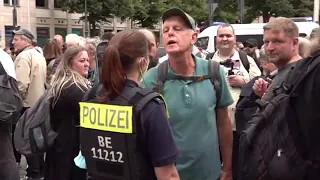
[191, 107]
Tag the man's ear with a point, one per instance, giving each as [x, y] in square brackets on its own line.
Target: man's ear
[194, 37]
[296, 41]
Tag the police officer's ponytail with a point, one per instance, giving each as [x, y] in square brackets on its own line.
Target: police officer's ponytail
[112, 73]
[120, 57]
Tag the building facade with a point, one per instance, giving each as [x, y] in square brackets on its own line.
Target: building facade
[45, 19]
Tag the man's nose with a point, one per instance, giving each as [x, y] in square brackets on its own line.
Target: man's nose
[270, 46]
[170, 32]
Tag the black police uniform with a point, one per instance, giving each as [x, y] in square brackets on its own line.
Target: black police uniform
[128, 159]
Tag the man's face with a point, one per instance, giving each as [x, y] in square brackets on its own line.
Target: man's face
[225, 38]
[249, 48]
[19, 43]
[177, 36]
[279, 47]
[153, 43]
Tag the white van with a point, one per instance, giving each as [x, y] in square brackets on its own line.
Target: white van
[207, 38]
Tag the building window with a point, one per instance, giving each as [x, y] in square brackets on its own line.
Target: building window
[77, 31]
[61, 31]
[57, 4]
[8, 35]
[42, 3]
[43, 34]
[11, 2]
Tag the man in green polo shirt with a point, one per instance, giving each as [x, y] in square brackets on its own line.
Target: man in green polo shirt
[199, 125]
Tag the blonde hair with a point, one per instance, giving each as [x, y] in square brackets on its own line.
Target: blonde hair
[283, 24]
[66, 76]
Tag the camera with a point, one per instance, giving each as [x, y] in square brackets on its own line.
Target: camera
[228, 63]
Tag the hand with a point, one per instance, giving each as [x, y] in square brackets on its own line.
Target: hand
[226, 175]
[236, 81]
[260, 87]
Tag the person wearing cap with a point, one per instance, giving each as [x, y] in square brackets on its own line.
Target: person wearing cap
[195, 50]
[251, 48]
[200, 126]
[31, 72]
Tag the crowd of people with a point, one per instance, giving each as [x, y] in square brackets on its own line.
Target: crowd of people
[192, 131]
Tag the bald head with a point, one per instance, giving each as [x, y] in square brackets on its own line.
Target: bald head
[59, 39]
[304, 47]
[152, 40]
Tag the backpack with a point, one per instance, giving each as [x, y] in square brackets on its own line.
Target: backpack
[246, 105]
[243, 57]
[11, 101]
[140, 99]
[271, 146]
[213, 75]
[33, 133]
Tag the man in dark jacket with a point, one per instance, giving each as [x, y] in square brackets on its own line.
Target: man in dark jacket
[8, 168]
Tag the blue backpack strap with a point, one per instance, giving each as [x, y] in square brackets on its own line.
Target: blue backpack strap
[214, 72]
[162, 75]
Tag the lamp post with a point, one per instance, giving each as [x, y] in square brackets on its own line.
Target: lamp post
[86, 29]
[14, 14]
[14, 20]
[211, 8]
[316, 11]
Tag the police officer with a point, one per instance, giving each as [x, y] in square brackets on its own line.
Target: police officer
[125, 133]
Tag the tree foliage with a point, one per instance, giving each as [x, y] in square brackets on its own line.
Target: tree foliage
[147, 13]
[99, 11]
[195, 8]
[285, 8]
[227, 11]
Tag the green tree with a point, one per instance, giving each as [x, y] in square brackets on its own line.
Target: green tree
[145, 13]
[195, 8]
[227, 11]
[303, 8]
[285, 8]
[99, 11]
[267, 8]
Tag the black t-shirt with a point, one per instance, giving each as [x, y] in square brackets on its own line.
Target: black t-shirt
[160, 144]
[277, 81]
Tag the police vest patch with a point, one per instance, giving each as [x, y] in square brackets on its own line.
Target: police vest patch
[104, 117]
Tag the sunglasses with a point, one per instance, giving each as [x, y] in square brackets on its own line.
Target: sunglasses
[249, 46]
